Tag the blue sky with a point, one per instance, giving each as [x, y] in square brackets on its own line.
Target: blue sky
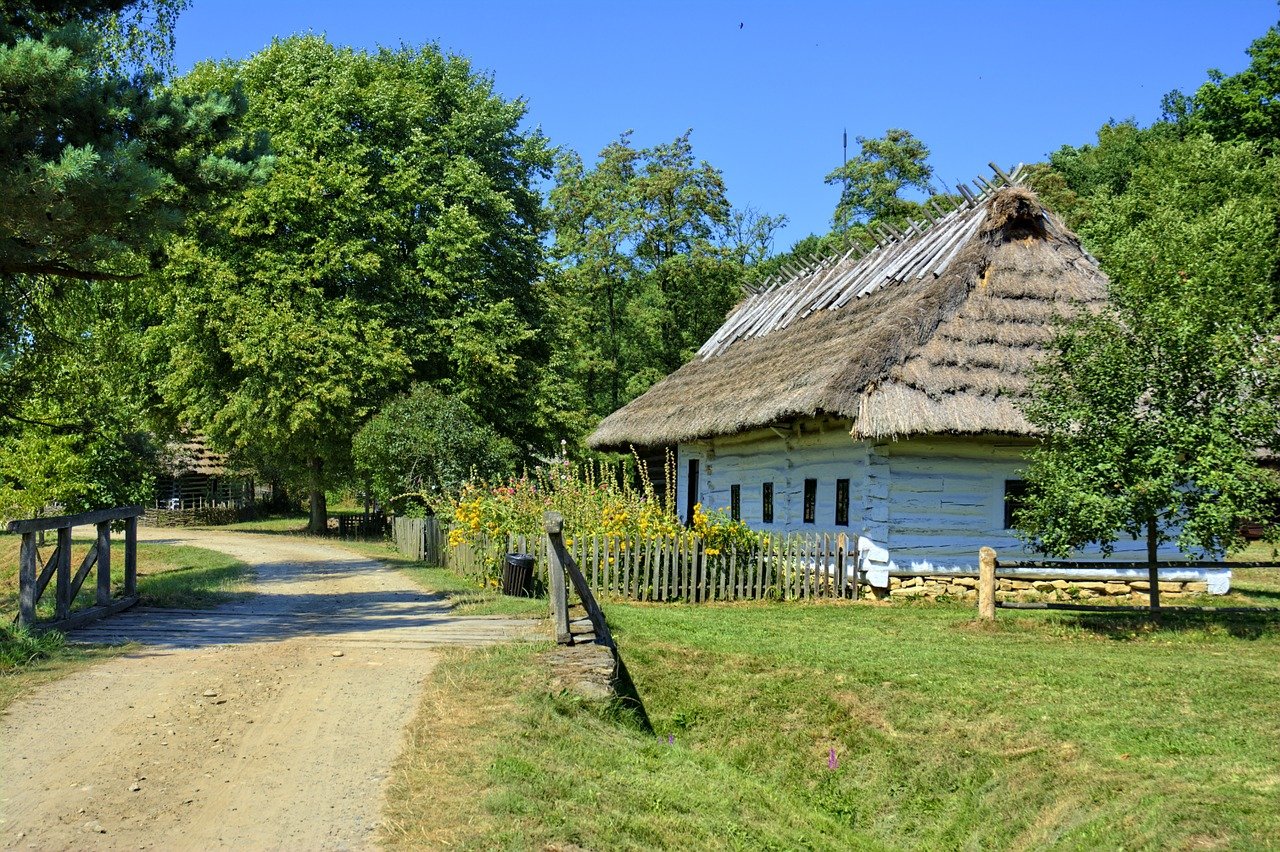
[768, 87]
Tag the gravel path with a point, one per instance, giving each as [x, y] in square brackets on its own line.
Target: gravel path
[269, 723]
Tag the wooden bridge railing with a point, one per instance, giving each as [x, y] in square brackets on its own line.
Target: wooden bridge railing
[561, 564]
[33, 579]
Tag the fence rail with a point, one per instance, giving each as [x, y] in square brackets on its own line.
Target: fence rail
[34, 579]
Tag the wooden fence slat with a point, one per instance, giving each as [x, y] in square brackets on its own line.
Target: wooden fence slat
[628, 553]
[104, 564]
[595, 563]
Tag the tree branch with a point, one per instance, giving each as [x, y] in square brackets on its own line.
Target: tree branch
[15, 268]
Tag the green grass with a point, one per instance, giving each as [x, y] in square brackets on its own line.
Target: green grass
[1052, 730]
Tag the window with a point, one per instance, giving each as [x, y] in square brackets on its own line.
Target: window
[810, 501]
[766, 502]
[1015, 497]
[691, 494]
[735, 502]
[842, 502]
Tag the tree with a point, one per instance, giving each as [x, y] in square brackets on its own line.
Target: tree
[423, 446]
[1154, 410]
[1238, 107]
[97, 164]
[647, 264]
[397, 237]
[871, 184]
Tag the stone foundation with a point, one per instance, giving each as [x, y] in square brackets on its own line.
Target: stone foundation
[1065, 591]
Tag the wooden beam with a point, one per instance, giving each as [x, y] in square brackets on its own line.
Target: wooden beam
[554, 524]
[90, 559]
[104, 563]
[27, 596]
[90, 615]
[47, 573]
[62, 606]
[82, 519]
[1001, 172]
[130, 556]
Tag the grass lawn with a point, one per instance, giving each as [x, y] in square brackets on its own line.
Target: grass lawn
[1048, 729]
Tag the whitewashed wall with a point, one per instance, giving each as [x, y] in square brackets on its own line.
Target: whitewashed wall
[932, 501]
[764, 456]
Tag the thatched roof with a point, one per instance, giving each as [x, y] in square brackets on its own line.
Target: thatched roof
[934, 332]
[192, 454]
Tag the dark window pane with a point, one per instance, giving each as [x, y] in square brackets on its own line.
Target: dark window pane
[735, 502]
[842, 502]
[1015, 497]
[766, 502]
[810, 500]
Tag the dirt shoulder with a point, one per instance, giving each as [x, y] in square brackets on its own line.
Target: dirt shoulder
[269, 723]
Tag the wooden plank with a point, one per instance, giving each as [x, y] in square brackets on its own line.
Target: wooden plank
[629, 560]
[796, 579]
[90, 615]
[62, 604]
[757, 591]
[665, 566]
[27, 596]
[83, 519]
[558, 592]
[86, 565]
[46, 573]
[595, 563]
[130, 557]
[733, 575]
[706, 570]
[104, 563]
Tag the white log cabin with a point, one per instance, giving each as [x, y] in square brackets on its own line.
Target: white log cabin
[877, 394]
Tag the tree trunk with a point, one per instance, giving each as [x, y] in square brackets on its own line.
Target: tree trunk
[319, 520]
[1153, 573]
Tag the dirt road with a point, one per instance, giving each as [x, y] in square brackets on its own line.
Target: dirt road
[270, 723]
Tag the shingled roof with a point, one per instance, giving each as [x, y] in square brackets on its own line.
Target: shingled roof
[934, 331]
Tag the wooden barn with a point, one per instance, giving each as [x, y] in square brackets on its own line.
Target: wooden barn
[196, 479]
[877, 394]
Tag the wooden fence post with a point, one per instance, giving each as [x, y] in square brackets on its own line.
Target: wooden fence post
[27, 564]
[987, 584]
[104, 563]
[130, 556]
[554, 523]
[62, 601]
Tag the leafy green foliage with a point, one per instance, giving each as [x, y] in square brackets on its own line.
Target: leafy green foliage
[19, 647]
[97, 166]
[1154, 409]
[395, 238]
[423, 446]
[871, 184]
[648, 265]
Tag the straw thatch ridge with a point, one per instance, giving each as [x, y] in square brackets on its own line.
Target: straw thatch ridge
[927, 349]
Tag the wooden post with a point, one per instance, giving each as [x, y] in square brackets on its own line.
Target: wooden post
[987, 584]
[554, 523]
[130, 556]
[27, 561]
[104, 563]
[63, 590]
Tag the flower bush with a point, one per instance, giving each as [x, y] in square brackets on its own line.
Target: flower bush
[595, 499]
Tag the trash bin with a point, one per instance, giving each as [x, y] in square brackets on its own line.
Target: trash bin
[517, 575]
